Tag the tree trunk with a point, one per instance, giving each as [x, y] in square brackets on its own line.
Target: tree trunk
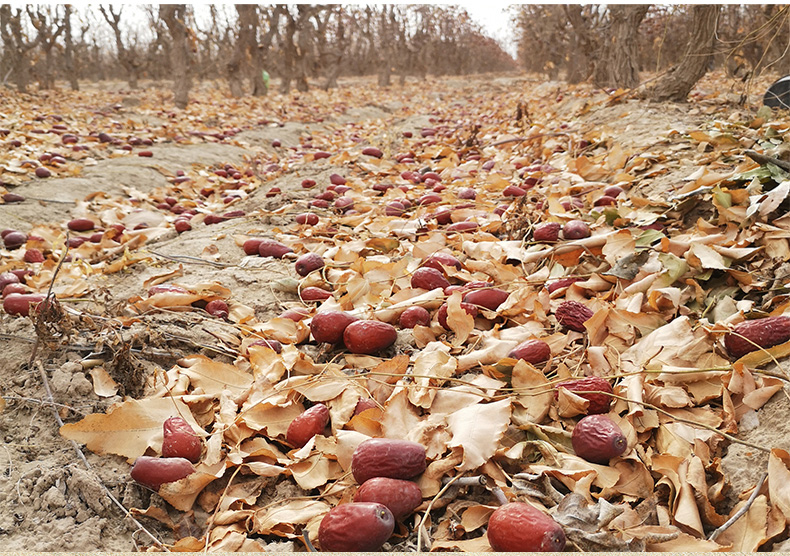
[678, 82]
[618, 61]
[68, 52]
[174, 15]
[584, 45]
[127, 58]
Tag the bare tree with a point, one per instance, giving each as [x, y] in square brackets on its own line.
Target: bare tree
[17, 47]
[331, 43]
[127, 56]
[68, 50]
[48, 28]
[619, 54]
[174, 15]
[678, 82]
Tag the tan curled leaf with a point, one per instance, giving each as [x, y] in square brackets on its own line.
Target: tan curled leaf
[103, 384]
[535, 394]
[129, 429]
[213, 377]
[282, 520]
[459, 321]
[478, 430]
[182, 494]
[779, 480]
[431, 366]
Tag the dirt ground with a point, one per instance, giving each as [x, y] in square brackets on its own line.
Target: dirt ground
[49, 500]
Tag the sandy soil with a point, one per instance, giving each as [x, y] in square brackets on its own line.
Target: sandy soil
[49, 500]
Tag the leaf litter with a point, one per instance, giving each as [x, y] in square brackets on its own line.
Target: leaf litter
[671, 265]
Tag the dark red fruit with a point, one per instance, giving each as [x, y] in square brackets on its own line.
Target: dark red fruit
[328, 326]
[438, 259]
[488, 298]
[14, 240]
[81, 224]
[308, 218]
[520, 527]
[19, 303]
[598, 439]
[428, 278]
[547, 232]
[593, 389]
[272, 248]
[154, 472]
[369, 336]
[252, 245]
[513, 191]
[413, 316]
[180, 440]
[441, 314]
[356, 527]
[34, 256]
[563, 283]
[401, 497]
[573, 315]
[310, 423]
[364, 404]
[387, 457]
[752, 335]
[313, 293]
[308, 262]
[576, 229]
[274, 345]
[218, 308]
[372, 151]
[531, 351]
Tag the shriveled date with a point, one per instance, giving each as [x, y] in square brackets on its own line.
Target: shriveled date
[180, 441]
[387, 457]
[356, 527]
[520, 527]
[592, 388]
[755, 334]
[573, 315]
[598, 439]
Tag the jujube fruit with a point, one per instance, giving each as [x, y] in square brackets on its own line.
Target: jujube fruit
[154, 472]
[19, 303]
[328, 326]
[488, 298]
[308, 424]
[532, 351]
[573, 315]
[520, 527]
[598, 439]
[547, 232]
[180, 440]
[576, 229]
[308, 262]
[400, 496]
[441, 314]
[413, 316]
[272, 248]
[438, 259]
[759, 333]
[589, 388]
[369, 336]
[428, 278]
[218, 308]
[356, 527]
[313, 293]
[81, 224]
[387, 457]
